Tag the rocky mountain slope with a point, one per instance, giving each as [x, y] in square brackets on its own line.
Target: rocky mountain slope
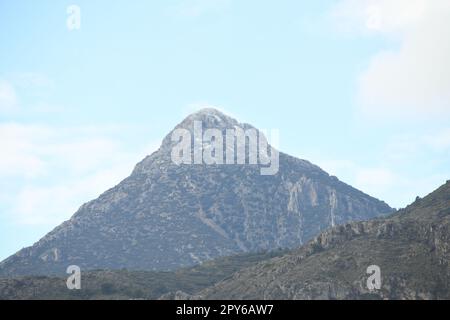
[165, 216]
[124, 285]
[411, 248]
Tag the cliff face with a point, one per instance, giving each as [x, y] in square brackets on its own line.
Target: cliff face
[165, 216]
[411, 248]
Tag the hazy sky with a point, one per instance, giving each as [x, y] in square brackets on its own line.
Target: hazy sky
[359, 87]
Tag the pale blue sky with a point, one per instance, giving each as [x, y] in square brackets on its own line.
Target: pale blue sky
[347, 83]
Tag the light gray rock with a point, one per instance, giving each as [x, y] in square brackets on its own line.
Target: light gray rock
[165, 216]
[411, 248]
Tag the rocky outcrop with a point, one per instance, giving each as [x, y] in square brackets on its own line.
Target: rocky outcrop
[411, 248]
[165, 216]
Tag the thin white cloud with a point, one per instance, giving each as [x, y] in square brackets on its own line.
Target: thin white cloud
[388, 181]
[31, 80]
[378, 16]
[38, 204]
[19, 154]
[413, 80]
[410, 146]
[8, 97]
[48, 172]
[374, 179]
[409, 165]
[26, 84]
[439, 142]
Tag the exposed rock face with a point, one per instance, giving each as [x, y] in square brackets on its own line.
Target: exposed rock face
[165, 216]
[412, 249]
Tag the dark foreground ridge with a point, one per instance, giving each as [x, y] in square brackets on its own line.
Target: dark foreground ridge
[124, 285]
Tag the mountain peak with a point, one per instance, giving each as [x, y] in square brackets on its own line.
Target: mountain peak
[209, 111]
[193, 213]
[210, 118]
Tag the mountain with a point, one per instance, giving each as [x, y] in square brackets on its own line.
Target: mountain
[167, 215]
[411, 249]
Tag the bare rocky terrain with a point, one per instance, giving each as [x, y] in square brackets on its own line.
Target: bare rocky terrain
[411, 247]
[166, 216]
